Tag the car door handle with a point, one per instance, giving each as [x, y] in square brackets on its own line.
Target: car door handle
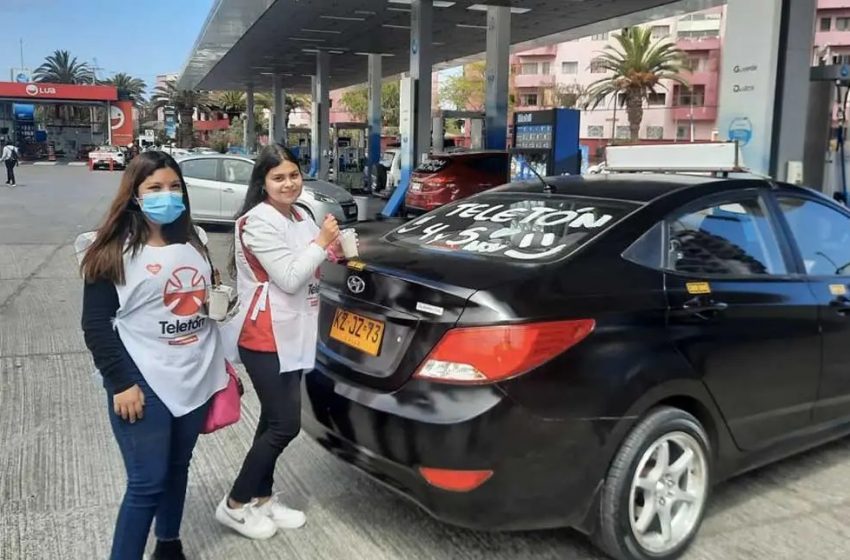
[229, 190]
[841, 305]
[701, 308]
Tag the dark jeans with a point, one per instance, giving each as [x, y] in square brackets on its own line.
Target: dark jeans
[156, 451]
[280, 421]
[10, 172]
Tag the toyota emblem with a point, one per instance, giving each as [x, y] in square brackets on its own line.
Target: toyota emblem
[356, 285]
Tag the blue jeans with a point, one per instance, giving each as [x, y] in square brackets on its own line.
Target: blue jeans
[156, 452]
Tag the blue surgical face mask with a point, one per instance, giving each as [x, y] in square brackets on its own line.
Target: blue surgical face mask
[163, 208]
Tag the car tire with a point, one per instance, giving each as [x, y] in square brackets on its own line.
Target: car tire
[665, 461]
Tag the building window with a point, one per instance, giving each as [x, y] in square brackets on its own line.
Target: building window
[528, 99]
[596, 67]
[683, 132]
[685, 97]
[842, 24]
[655, 132]
[825, 24]
[570, 67]
[623, 132]
[595, 131]
[660, 31]
[698, 35]
[656, 99]
[546, 68]
[696, 63]
[528, 68]
[599, 37]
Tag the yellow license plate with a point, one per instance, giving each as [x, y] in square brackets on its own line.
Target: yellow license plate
[357, 331]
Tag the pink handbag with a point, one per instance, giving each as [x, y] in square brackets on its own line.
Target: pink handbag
[225, 407]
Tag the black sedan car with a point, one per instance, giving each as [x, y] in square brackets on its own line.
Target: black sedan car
[595, 353]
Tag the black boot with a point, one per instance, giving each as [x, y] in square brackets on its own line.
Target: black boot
[168, 550]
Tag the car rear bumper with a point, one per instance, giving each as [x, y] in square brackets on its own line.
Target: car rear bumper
[426, 201]
[545, 473]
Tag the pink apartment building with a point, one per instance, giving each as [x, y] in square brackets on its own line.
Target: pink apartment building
[674, 114]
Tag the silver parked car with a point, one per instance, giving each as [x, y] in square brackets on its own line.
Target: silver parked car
[218, 183]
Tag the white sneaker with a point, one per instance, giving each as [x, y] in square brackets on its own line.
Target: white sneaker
[246, 520]
[283, 516]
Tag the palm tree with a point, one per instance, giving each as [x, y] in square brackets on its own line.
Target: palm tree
[61, 68]
[184, 102]
[133, 88]
[290, 103]
[231, 102]
[295, 102]
[637, 68]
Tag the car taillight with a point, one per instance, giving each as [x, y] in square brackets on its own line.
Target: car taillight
[455, 480]
[479, 355]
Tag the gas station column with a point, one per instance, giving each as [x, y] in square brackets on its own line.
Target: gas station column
[278, 128]
[764, 79]
[498, 68]
[421, 56]
[375, 118]
[321, 130]
[314, 127]
[250, 128]
[414, 101]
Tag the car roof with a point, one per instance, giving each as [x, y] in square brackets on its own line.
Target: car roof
[635, 187]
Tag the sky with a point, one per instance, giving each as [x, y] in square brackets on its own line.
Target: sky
[142, 38]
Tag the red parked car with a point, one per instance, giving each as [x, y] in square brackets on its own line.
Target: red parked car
[444, 178]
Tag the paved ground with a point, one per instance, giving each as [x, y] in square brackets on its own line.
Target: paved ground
[61, 478]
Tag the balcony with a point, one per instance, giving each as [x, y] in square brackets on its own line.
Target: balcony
[534, 80]
[702, 113]
[832, 38]
[702, 44]
[549, 50]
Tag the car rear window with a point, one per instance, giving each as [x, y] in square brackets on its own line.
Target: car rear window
[513, 227]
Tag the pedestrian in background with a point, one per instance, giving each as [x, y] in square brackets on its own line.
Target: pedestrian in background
[10, 156]
[146, 274]
[278, 250]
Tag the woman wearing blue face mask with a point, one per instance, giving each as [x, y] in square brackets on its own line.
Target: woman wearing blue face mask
[146, 274]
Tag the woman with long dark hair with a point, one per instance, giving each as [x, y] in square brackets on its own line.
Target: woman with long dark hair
[146, 274]
[278, 250]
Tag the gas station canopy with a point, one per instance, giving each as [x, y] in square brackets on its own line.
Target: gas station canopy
[246, 42]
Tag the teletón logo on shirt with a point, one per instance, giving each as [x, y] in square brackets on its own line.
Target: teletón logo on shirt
[185, 291]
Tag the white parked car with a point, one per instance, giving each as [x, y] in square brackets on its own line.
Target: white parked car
[103, 155]
[218, 183]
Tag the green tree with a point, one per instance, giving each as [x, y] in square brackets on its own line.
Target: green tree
[184, 102]
[637, 66]
[466, 91]
[61, 68]
[133, 88]
[568, 96]
[356, 102]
